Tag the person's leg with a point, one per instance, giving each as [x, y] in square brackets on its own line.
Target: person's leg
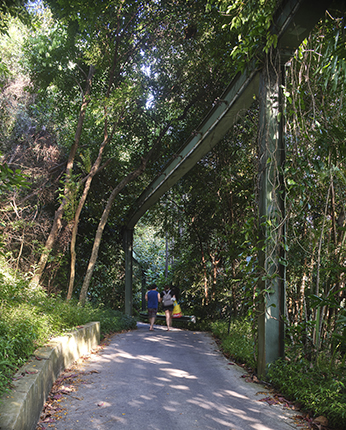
[151, 318]
[168, 318]
[168, 322]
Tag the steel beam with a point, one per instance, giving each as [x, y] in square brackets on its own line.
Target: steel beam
[233, 103]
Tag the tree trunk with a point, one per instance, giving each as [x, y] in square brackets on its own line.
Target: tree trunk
[60, 211]
[95, 167]
[205, 276]
[97, 242]
[204, 265]
[215, 262]
[130, 177]
[74, 235]
[93, 171]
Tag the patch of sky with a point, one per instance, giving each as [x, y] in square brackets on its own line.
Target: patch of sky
[146, 69]
[150, 101]
[35, 6]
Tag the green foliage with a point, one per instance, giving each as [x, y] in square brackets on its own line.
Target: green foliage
[149, 251]
[50, 61]
[210, 217]
[13, 97]
[209, 220]
[332, 64]
[107, 284]
[10, 179]
[237, 340]
[30, 317]
[12, 8]
[250, 24]
[317, 388]
[11, 44]
[315, 193]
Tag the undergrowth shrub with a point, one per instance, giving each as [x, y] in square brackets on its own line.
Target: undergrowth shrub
[319, 389]
[239, 343]
[29, 318]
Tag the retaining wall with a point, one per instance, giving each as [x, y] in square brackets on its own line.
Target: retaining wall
[20, 409]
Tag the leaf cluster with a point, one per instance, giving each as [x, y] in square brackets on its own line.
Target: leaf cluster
[250, 24]
[10, 179]
[12, 8]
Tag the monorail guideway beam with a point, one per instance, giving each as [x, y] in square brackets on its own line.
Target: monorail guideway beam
[293, 22]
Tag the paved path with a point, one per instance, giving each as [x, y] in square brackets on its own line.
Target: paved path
[163, 380]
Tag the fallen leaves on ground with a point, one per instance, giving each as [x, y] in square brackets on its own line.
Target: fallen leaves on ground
[277, 399]
[63, 386]
[52, 410]
[305, 422]
[251, 378]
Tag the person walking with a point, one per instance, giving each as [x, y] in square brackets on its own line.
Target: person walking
[153, 298]
[168, 298]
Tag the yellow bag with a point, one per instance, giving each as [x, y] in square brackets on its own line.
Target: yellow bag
[176, 310]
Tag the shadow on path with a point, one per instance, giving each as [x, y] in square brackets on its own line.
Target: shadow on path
[161, 380]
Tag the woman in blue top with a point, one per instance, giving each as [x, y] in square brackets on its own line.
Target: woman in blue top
[153, 298]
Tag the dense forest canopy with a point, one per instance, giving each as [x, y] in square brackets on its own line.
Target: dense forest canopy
[96, 98]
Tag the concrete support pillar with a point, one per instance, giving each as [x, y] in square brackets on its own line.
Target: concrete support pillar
[144, 289]
[271, 214]
[128, 245]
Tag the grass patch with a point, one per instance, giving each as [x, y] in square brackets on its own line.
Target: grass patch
[319, 389]
[29, 318]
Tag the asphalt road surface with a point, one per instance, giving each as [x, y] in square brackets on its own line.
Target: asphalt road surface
[160, 380]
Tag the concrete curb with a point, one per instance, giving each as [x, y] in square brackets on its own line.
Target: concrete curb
[21, 408]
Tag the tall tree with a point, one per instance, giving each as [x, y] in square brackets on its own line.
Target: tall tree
[144, 36]
[67, 189]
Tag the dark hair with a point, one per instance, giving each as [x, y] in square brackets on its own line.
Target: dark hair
[152, 287]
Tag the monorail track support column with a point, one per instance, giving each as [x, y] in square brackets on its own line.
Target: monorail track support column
[128, 246]
[271, 214]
